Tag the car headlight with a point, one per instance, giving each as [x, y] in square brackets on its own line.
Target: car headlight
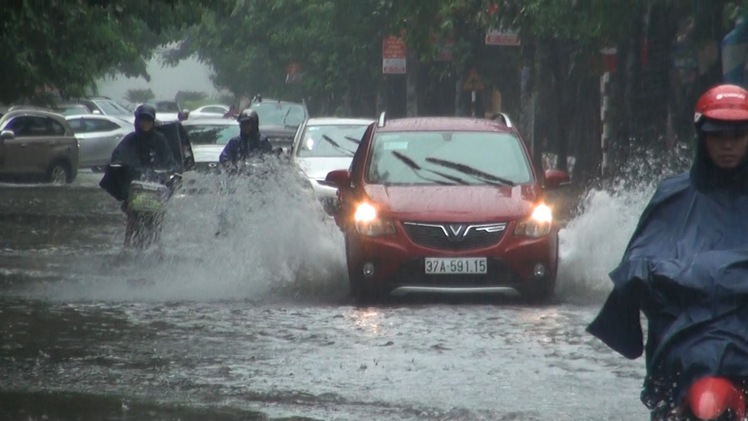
[538, 224]
[368, 223]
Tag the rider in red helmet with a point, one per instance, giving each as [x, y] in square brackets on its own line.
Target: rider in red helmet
[686, 267]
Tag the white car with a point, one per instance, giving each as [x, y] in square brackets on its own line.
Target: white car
[209, 111]
[326, 144]
[97, 136]
[208, 137]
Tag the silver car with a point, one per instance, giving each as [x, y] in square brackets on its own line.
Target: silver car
[97, 135]
[326, 144]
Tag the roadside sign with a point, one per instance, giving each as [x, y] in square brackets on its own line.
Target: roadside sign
[473, 82]
[505, 37]
[393, 55]
[293, 73]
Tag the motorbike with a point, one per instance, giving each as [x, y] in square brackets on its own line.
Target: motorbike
[148, 193]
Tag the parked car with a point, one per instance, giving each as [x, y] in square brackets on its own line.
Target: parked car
[67, 108]
[107, 106]
[209, 111]
[446, 205]
[279, 120]
[208, 137]
[322, 145]
[167, 111]
[98, 135]
[37, 144]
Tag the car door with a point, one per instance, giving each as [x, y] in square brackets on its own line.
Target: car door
[14, 156]
[45, 142]
[98, 137]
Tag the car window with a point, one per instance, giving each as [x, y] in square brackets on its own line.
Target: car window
[273, 113]
[473, 158]
[331, 140]
[211, 134]
[215, 110]
[35, 126]
[78, 125]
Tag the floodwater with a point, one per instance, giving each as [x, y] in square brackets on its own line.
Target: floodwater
[243, 313]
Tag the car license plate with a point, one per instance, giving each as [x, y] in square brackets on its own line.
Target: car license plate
[455, 265]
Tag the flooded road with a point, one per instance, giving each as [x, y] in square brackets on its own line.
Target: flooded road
[252, 321]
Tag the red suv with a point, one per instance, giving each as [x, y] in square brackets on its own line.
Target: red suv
[446, 205]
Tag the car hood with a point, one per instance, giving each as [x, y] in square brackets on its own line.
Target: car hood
[207, 153]
[318, 167]
[440, 203]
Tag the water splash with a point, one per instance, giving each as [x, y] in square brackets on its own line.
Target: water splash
[261, 236]
[593, 242]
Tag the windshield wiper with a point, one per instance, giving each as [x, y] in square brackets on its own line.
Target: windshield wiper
[466, 169]
[417, 168]
[335, 144]
[352, 139]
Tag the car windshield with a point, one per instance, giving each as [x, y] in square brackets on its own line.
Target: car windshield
[167, 107]
[284, 114]
[111, 108]
[470, 158]
[211, 134]
[331, 140]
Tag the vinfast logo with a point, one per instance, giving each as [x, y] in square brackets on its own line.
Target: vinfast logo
[458, 232]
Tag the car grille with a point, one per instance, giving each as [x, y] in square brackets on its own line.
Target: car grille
[498, 273]
[451, 236]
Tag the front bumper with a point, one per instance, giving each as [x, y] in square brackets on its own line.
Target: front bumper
[514, 265]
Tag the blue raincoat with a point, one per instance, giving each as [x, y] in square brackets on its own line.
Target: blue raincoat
[686, 269]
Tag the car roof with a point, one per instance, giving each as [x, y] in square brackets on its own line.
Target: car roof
[466, 124]
[107, 117]
[35, 112]
[321, 121]
[218, 121]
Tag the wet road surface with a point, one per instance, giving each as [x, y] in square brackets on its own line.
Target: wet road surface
[255, 324]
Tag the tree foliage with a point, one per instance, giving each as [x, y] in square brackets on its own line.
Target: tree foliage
[66, 44]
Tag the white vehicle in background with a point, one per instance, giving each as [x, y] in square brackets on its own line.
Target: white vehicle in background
[209, 111]
[322, 145]
[97, 136]
[208, 137]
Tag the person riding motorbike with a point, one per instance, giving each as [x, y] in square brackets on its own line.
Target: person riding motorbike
[686, 269]
[143, 153]
[250, 141]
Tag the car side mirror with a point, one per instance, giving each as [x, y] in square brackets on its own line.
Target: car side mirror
[555, 179]
[7, 135]
[338, 178]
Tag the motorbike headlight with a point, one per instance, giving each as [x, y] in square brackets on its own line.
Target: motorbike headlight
[368, 223]
[538, 224]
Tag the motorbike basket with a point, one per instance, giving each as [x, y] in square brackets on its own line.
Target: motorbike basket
[147, 197]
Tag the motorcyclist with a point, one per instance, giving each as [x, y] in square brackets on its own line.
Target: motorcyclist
[686, 265]
[250, 141]
[142, 150]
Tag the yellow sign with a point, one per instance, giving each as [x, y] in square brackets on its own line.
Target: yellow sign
[473, 82]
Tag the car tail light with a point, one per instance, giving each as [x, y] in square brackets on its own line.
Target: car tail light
[538, 224]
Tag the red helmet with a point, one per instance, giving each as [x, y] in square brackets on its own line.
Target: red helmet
[728, 104]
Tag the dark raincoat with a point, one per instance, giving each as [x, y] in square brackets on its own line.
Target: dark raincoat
[136, 152]
[686, 269]
[242, 146]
